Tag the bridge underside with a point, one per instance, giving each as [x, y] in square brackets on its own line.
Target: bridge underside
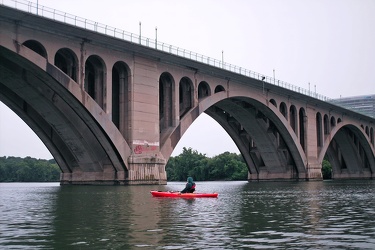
[349, 156]
[77, 142]
[263, 146]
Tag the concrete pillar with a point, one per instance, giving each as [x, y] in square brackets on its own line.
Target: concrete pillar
[105, 177]
[146, 170]
[314, 167]
[146, 163]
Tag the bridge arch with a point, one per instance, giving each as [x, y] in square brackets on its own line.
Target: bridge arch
[186, 95]
[302, 128]
[95, 79]
[319, 134]
[257, 130]
[262, 135]
[326, 125]
[67, 121]
[203, 90]
[37, 47]
[349, 152]
[166, 100]
[293, 118]
[66, 60]
[273, 102]
[284, 110]
[333, 122]
[219, 88]
[121, 79]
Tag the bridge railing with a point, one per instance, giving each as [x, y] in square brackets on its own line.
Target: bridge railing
[87, 24]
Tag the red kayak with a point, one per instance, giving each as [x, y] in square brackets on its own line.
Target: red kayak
[182, 195]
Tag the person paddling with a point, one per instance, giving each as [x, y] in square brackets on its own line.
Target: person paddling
[190, 186]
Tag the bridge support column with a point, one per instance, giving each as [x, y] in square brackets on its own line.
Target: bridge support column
[314, 170]
[106, 177]
[146, 165]
[313, 166]
[142, 171]
[146, 170]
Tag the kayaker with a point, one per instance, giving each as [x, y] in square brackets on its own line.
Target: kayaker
[190, 186]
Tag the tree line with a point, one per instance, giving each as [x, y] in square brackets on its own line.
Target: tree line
[16, 169]
[226, 166]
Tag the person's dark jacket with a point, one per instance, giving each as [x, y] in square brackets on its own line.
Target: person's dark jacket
[190, 186]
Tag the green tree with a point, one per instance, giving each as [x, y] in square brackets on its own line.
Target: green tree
[326, 169]
[228, 166]
[188, 163]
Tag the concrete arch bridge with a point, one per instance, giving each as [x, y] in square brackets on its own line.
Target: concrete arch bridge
[111, 110]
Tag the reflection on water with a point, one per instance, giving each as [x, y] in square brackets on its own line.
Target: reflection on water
[271, 215]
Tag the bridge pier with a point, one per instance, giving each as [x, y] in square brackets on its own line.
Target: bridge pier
[146, 171]
[314, 171]
[142, 171]
[313, 166]
[90, 178]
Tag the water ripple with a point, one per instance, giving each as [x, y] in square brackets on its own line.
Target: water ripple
[274, 215]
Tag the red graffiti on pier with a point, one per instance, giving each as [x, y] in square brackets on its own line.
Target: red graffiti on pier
[139, 149]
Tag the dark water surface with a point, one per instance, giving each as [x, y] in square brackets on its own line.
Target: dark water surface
[268, 215]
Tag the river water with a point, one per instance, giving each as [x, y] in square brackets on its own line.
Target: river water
[266, 215]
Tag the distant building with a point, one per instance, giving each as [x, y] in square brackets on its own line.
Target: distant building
[362, 104]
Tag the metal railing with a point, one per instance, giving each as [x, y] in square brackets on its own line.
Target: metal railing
[66, 18]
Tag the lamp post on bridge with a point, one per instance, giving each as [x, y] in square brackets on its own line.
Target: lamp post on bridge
[309, 90]
[263, 77]
[222, 59]
[156, 37]
[315, 90]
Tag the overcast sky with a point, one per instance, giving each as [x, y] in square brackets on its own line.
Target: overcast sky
[327, 43]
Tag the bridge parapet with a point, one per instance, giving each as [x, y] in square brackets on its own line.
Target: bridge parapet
[87, 24]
